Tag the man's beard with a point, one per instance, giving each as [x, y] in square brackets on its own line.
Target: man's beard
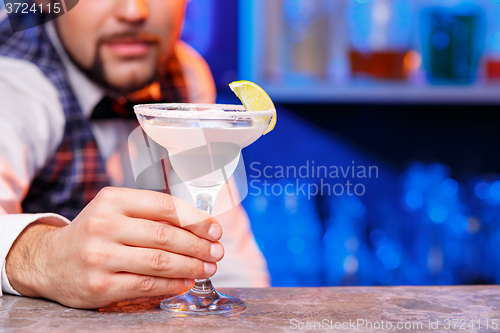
[96, 72]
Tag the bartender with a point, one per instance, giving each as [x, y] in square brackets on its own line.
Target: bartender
[72, 227]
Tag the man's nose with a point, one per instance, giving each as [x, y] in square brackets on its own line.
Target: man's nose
[133, 11]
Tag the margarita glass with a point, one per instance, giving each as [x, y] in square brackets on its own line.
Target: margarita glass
[204, 143]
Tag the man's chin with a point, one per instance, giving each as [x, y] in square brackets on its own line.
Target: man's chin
[130, 81]
[129, 87]
[129, 72]
[124, 74]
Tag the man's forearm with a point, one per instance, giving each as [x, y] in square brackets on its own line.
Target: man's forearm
[25, 262]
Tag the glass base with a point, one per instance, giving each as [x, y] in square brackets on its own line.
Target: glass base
[202, 299]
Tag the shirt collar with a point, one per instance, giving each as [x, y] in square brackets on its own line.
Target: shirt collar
[88, 94]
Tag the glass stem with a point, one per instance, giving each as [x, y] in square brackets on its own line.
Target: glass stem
[204, 199]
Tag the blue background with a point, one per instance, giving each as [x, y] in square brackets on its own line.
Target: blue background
[430, 217]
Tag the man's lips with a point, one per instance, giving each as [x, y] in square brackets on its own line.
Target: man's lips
[129, 47]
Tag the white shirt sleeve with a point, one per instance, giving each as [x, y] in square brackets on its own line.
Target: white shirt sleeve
[11, 225]
[6, 287]
[31, 128]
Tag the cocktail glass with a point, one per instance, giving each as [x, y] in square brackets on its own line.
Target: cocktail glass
[204, 142]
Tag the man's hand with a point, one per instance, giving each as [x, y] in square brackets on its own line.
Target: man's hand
[126, 243]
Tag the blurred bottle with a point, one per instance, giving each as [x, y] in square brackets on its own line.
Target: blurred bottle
[380, 32]
[452, 41]
[296, 47]
[492, 47]
[493, 69]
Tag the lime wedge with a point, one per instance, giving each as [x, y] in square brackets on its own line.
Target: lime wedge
[254, 98]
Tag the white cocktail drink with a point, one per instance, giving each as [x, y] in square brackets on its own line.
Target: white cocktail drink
[204, 143]
[200, 149]
[179, 138]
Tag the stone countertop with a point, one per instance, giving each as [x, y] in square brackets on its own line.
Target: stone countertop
[277, 310]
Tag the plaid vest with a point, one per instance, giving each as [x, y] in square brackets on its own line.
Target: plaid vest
[76, 172]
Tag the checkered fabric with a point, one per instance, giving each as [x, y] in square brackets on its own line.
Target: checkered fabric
[76, 173]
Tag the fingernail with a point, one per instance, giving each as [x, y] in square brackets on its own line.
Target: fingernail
[210, 268]
[216, 251]
[189, 282]
[215, 231]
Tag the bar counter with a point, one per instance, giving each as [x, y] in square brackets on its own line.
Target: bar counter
[278, 310]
